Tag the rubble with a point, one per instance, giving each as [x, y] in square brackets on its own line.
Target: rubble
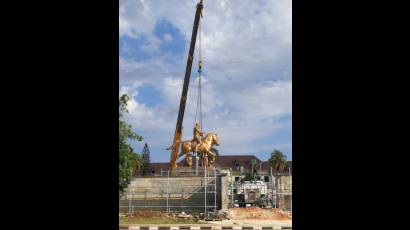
[224, 215]
[184, 215]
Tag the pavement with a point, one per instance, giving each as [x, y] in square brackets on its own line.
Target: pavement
[216, 225]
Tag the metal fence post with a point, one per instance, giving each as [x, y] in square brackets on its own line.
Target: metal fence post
[291, 195]
[168, 193]
[196, 163]
[215, 190]
[231, 192]
[129, 204]
[205, 185]
[132, 205]
[145, 198]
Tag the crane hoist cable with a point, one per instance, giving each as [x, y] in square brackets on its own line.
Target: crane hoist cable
[198, 111]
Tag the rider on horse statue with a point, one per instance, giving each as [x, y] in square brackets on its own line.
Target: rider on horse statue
[197, 135]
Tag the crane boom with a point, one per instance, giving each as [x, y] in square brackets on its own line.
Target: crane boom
[182, 103]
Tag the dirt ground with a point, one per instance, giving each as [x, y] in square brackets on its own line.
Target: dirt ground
[255, 217]
[262, 223]
[253, 213]
[238, 217]
[149, 217]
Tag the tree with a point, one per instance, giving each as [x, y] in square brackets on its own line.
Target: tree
[146, 160]
[277, 160]
[129, 161]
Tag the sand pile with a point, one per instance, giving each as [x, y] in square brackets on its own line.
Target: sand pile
[257, 214]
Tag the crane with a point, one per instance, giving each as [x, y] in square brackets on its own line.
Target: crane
[178, 129]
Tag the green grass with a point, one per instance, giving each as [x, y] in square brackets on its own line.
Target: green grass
[155, 220]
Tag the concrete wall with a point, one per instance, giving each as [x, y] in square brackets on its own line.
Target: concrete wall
[153, 193]
[284, 185]
[226, 179]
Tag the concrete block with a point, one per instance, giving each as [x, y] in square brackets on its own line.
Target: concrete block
[184, 227]
[227, 227]
[164, 228]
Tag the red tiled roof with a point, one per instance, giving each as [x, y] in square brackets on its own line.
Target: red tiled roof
[225, 161]
[157, 166]
[230, 160]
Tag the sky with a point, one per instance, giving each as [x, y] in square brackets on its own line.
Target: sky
[246, 78]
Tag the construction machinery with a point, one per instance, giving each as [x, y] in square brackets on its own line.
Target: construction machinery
[178, 130]
[252, 193]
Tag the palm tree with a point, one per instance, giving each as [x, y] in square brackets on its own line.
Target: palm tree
[277, 160]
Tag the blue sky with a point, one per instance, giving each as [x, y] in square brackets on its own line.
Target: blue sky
[247, 75]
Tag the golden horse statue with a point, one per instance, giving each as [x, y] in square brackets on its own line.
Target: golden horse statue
[203, 149]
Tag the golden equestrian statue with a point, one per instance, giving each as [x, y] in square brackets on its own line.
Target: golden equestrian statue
[201, 145]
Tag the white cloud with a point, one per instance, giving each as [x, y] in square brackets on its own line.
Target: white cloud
[152, 45]
[247, 82]
[167, 37]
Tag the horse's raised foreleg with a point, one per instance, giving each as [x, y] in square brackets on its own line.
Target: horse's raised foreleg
[211, 155]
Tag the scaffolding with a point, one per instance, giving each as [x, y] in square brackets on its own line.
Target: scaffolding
[167, 193]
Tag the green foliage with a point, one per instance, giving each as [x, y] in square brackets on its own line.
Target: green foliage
[277, 160]
[123, 104]
[129, 161]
